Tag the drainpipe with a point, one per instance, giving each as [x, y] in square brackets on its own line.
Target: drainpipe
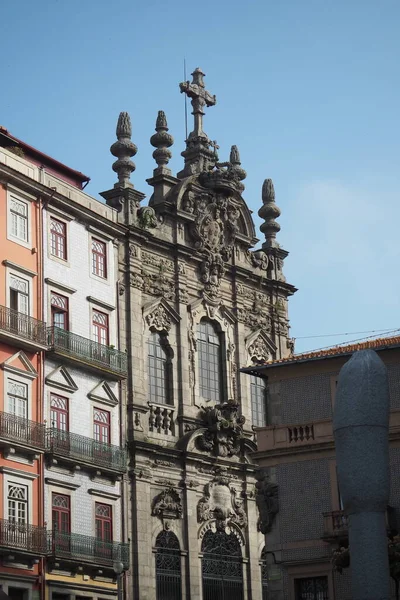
[40, 381]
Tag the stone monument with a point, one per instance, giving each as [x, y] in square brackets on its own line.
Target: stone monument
[361, 430]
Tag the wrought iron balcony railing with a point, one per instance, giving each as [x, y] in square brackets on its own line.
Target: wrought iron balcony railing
[81, 449]
[22, 431]
[22, 537]
[76, 547]
[19, 325]
[87, 351]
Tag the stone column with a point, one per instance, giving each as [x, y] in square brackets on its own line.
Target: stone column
[145, 584]
[193, 562]
[254, 570]
[361, 429]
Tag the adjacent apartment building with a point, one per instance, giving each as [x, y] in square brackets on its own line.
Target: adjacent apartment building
[297, 453]
[60, 294]
[23, 340]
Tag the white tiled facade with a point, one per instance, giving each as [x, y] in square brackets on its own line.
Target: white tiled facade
[85, 390]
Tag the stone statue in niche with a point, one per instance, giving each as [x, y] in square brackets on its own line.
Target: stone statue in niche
[267, 501]
[221, 502]
[167, 504]
[224, 429]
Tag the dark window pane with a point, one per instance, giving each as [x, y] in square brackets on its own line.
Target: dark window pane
[209, 352]
[258, 391]
[158, 370]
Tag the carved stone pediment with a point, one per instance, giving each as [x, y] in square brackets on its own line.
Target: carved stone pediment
[159, 315]
[259, 347]
[221, 502]
[167, 504]
[223, 429]
[267, 500]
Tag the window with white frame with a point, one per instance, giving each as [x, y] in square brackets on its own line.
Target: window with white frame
[99, 258]
[18, 215]
[58, 238]
[17, 398]
[19, 294]
[17, 500]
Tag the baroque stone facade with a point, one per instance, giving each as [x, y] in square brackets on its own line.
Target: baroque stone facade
[195, 296]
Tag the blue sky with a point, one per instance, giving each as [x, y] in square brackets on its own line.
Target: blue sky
[308, 89]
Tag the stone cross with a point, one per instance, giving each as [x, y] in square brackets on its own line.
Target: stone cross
[361, 430]
[200, 98]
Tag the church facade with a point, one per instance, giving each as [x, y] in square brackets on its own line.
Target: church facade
[196, 303]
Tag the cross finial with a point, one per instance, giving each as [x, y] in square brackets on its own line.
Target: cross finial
[200, 98]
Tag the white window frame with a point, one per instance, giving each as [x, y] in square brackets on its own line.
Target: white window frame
[96, 234]
[98, 238]
[25, 381]
[27, 201]
[9, 479]
[24, 276]
[63, 218]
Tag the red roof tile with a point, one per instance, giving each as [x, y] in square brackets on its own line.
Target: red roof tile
[376, 344]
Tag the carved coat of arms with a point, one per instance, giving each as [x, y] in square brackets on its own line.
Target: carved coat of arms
[222, 503]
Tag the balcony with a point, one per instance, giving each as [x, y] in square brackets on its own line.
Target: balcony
[18, 329]
[22, 538]
[336, 524]
[77, 548]
[21, 433]
[88, 354]
[78, 450]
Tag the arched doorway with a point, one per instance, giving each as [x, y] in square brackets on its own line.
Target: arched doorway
[222, 568]
[168, 567]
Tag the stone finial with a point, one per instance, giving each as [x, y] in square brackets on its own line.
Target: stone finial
[269, 212]
[123, 149]
[234, 159]
[162, 140]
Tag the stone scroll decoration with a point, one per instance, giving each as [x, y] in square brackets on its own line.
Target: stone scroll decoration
[267, 500]
[223, 429]
[221, 502]
[167, 504]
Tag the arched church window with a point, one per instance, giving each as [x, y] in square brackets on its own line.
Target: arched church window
[159, 364]
[264, 574]
[258, 396]
[222, 569]
[210, 361]
[168, 567]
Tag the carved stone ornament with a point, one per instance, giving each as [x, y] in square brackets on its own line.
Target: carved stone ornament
[214, 232]
[167, 505]
[258, 350]
[156, 284]
[159, 319]
[258, 259]
[147, 217]
[221, 503]
[224, 429]
[267, 500]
